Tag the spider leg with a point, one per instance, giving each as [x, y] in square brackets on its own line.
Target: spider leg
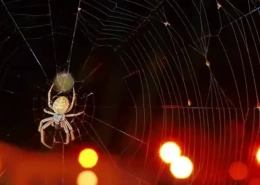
[43, 121]
[70, 129]
[73, 101]
[43, 133]
[67, 134]
[74, 115]
[48, 112]
[49, 97]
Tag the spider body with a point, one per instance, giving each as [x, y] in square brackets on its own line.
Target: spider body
[60, 107]
[58, 120]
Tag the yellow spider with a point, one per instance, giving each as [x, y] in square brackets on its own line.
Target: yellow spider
[60, 106]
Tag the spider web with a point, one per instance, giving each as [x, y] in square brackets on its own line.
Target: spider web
[158, 71]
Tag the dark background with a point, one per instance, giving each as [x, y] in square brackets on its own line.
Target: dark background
[144, 73]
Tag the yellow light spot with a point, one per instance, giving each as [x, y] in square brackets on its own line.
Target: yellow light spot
[181, 168]
[258, 156]
[169, 151]
[87, 178]
[88, 158]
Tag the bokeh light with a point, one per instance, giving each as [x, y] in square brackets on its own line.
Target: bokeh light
[88, 158]
[238, 170]
[87, 178]
[169, 151]
[258, 155]
[182, 167]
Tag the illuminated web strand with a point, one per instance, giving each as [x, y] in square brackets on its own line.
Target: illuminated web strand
[120, 29]
[73, 37]
[52, 34]
[24, 38]
[224, 26]
[241, 17]
[143, 22]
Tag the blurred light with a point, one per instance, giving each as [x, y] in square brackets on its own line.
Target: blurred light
[181, 168]
[87, 178]
[238, 170]
[254, 182]
[169, 151]
[88, 158]
[258, 156]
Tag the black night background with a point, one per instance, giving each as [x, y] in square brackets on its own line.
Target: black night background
[145, 72]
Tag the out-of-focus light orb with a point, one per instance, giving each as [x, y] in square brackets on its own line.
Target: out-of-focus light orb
[169, 151]
[254, 182]
[258, 156]
[182, 167]
[88, 158]
[63, 82]
[87, 178]
[238, 170]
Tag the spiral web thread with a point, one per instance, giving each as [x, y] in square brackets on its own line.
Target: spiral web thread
[172, 58]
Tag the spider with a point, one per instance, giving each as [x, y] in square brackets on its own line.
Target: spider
[60, 106]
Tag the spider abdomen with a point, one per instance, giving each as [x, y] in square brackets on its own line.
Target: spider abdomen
[61, 105]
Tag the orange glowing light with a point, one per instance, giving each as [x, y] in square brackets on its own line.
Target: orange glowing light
[87, 178]
[181, 168]
[169, 151]
[258, 156]
[88, 158]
